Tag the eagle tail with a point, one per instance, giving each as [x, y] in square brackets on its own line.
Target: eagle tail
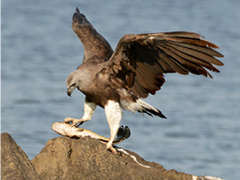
[148, 109]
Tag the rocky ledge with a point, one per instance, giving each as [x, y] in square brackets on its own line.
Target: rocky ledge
[84, 158]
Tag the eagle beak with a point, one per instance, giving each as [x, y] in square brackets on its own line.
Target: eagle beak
[69, 91]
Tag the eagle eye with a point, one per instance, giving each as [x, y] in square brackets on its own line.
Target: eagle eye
[74, 84]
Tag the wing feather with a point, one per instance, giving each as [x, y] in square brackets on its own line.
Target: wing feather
[197, 54]
[208, 51]
[186, 57]
[188, 66]
[141, 60]
[174, 65]
[146, 79]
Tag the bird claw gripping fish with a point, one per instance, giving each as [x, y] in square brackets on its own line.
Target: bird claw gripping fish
[70, 130]
[66, 129]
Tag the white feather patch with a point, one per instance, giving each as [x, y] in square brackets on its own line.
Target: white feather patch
[114, 114]
[89, 108]
[146, 105]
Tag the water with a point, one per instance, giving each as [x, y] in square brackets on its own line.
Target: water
[39, 50]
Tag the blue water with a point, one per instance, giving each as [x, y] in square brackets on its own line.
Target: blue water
[39, 49]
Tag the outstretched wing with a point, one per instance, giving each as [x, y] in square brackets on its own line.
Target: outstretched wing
[140, 60]
[94, 43]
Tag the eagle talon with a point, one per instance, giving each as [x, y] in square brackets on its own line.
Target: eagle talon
[113, 150]
[73, 121]
[79, 124]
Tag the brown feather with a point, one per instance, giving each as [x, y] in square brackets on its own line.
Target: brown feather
[175, 65]
[140, 91]
[198, 54]
[205, 50]
[147, 56]
[93, 42]
[146, 77]
[185, 57]
[188, 65]
[180, 34]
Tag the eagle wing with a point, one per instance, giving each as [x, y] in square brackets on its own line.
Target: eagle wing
[140, 60]
[95, 45]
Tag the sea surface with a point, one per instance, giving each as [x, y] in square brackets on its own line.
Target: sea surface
[39, 49]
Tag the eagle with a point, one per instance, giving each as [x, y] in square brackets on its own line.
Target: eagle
[118, 80]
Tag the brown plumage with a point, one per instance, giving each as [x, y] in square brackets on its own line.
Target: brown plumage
[116, 80]
[148, 56]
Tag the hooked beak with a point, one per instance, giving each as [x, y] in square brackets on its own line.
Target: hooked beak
[70, 90]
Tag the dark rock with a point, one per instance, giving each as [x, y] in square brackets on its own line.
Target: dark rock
[87, 158]
[14, 162]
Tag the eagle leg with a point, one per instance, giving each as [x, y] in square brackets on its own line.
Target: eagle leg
[89, 108]
[114, 115]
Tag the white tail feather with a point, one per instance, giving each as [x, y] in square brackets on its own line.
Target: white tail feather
[141, 106]
[145, 105]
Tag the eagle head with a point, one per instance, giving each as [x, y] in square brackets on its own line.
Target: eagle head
[72, 83]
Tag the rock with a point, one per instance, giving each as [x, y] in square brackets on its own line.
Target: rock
[84, 158]
[87, 158]
[14, 162]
